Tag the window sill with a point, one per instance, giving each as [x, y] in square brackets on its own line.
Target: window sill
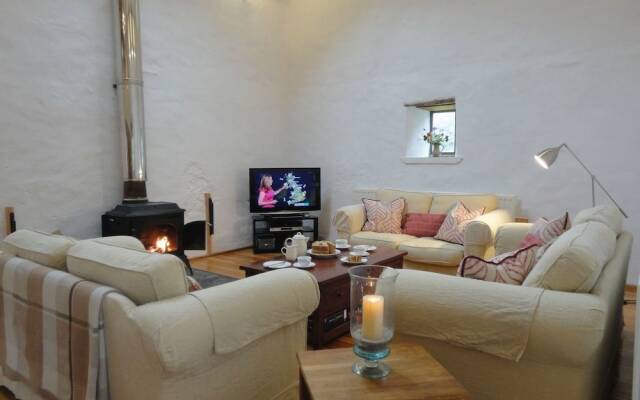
[443, 160]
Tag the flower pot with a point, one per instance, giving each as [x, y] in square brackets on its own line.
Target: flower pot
[435, 150]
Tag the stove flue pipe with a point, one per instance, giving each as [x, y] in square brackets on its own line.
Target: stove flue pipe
[130, 98]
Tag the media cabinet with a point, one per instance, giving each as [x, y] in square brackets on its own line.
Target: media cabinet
[271, 230]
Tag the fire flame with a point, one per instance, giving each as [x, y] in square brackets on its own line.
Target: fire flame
[162, 245]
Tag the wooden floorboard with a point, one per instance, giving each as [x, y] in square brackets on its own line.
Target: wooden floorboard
[228, 264]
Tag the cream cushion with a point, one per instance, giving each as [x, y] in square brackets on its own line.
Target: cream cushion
[574, 261]
[142, 276]
[431, 251]
[39, 247]
[416, 202]
[379, 239]
[442, 203]
[608, 215]
[127, 242]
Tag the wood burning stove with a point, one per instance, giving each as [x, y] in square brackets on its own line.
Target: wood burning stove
[158, 225]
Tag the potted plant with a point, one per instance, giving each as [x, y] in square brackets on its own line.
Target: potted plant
[435, 140]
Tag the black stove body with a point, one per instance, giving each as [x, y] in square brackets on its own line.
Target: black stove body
[149, 222]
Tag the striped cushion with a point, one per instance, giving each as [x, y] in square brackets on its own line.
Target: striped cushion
[544, 231]
[511, 268]
[383, 217]
[454, 225]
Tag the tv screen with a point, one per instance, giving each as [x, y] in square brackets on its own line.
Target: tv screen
[284, 189]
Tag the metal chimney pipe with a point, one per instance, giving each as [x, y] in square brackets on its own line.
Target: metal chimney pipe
[130, 98]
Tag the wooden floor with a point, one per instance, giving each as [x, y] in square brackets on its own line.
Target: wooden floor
[227, 264]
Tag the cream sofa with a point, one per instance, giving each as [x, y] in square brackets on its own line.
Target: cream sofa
[568, 348]
[429, 254]
[234, 341]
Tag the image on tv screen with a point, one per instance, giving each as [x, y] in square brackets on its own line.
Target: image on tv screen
[285, 189]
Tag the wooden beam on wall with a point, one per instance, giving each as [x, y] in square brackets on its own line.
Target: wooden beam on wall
[433, 103]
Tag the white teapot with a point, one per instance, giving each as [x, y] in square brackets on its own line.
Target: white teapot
[300, 241]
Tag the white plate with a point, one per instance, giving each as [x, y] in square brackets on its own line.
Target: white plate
[370, 248]
[347, 247]
[311, 253]
[345, 260]
[276, 264]
[297, 265]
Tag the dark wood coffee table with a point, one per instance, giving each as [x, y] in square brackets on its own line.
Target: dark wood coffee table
[331, 319]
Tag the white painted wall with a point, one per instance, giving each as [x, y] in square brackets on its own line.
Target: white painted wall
[525, 75]
[212, 71]
[231, 84]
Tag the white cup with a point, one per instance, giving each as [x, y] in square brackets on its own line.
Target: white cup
[290, 252]
[304, 261]
[341, 243]
[361, 247]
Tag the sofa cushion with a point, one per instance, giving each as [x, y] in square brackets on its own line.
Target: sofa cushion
[608, 215]
[443, 203]
[42, 248]
[512, 267]
[574, 261]
[383, 217]
[142, 276]
[379, 239]
[416, 202]
[127, 242]
[454, 225]
[432, 251]
[544, 231]
[423, 225]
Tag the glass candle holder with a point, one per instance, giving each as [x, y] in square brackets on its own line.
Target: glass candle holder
[372, 320]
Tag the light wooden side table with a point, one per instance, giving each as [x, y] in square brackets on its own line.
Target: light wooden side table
[415, 375]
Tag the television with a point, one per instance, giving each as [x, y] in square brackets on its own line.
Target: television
[284, 189]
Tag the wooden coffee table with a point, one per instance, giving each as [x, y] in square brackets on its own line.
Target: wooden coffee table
[331, 319]
[415, 375]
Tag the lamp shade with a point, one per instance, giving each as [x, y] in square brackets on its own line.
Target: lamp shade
[547, 156]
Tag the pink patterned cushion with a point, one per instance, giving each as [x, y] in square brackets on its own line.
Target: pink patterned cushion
[382, 217]
[511, 268]
[453, 227]
[544, 231]
[423, 225]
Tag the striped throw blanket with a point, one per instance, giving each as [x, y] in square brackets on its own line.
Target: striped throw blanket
[51, 332]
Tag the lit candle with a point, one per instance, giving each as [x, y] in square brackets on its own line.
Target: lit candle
[372, 317]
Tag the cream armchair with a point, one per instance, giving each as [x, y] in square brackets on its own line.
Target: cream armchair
[427, 253]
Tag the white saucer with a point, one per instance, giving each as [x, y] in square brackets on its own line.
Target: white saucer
[345, 260]
[311, 253]
[276, 264]
[297, 265]
[347, 247]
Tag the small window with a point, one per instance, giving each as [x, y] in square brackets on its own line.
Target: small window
[431, 129]
[443, 123]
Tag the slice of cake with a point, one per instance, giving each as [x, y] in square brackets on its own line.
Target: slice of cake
[323, 247]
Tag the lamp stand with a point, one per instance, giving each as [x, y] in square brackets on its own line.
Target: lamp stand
[594, 182]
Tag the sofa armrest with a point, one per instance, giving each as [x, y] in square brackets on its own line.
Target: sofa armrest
[180, 331]
[349, 220]
[564, 329]
[510, 235]
[480, 233]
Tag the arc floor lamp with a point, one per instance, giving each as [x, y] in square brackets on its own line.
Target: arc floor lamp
[548, 156]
